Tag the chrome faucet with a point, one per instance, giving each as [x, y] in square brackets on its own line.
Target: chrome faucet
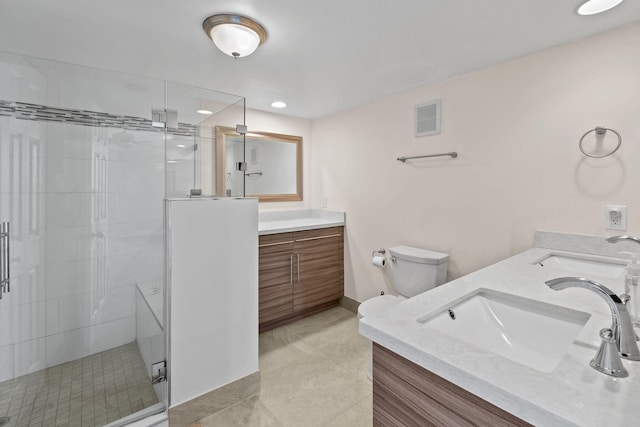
[621, 327]
[616, 239]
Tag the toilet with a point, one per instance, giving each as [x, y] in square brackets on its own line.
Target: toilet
[414, 271]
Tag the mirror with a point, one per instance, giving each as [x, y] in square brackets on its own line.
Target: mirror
[274, 165]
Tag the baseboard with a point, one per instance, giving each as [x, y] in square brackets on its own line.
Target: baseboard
[272, 324]
[350, 304]
[214, 401]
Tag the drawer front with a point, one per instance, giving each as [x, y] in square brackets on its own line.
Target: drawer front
[270, 239]
[318, 233]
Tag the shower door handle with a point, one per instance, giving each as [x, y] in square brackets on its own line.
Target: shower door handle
[4, 259]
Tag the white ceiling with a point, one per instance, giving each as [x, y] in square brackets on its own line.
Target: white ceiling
[321, 57]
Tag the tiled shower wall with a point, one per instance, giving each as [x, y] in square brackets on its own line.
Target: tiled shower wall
[86, 210]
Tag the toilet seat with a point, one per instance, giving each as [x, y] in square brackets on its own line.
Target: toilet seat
[371, 307]
[377, 304]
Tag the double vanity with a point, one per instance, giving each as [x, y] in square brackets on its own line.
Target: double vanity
[499, 347]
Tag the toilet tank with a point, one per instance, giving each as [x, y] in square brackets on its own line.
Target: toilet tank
[417, 270]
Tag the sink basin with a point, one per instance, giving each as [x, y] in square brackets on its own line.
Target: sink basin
[585, 265]
[529, 332]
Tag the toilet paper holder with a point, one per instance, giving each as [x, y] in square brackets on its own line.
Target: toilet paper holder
[380, 251]
[378, 258]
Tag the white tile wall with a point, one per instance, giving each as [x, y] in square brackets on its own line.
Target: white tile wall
[132, 269]
[135, 176]
[141, 146]
[30, 356]
[22, 323]
[6, 363]
[68, 278]
[27, 286]
[145, 207]
[67, 142]
[21, 80]
[67, 210]
[68, 176]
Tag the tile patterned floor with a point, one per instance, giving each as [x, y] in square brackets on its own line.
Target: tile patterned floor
[91, 391]
[313, 373]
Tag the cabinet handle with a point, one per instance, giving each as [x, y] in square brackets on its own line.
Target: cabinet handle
[318, 238]
[291, 272]
[298, 267]
[265, 245]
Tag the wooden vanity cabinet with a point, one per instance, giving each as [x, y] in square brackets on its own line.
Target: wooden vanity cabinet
[300, 274]
[406, 394]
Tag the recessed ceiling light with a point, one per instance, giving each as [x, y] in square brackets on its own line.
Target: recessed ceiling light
[181, 146]
[206, 112]
[278, 104]
[592, 7]
[171, 161]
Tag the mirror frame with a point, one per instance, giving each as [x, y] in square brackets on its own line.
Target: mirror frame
[221, 135]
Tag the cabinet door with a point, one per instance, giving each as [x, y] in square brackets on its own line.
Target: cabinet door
[319, 267]
[275, 276]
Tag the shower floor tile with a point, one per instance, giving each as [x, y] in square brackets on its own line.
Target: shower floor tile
[91, 391]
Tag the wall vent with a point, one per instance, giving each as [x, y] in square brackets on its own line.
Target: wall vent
[427, 118]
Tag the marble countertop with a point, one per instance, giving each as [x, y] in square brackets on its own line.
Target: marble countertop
[272, 222]
[572, 394]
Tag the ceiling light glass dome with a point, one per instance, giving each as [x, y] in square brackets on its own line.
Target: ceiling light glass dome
[235, 35]
[592, 7]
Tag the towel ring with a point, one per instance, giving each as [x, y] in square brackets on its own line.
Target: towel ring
[600, 130]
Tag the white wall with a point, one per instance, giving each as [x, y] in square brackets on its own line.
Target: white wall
[516, 128]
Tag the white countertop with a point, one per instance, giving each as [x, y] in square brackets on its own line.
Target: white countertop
[572, 394]
[272, 222]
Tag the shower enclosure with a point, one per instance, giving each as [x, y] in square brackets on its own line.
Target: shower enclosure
[87, 157]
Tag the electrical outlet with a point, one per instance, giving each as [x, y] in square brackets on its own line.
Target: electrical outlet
[616, 217]
[324, 202]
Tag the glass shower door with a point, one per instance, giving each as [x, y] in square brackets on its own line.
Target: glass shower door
[82, 187]
[193, 153]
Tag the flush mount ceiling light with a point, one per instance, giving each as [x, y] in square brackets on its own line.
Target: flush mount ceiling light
[278, 104]
[592, 7]
[235, 35]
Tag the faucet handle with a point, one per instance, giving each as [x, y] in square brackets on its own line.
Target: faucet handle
[625, 298]
[607, 359]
